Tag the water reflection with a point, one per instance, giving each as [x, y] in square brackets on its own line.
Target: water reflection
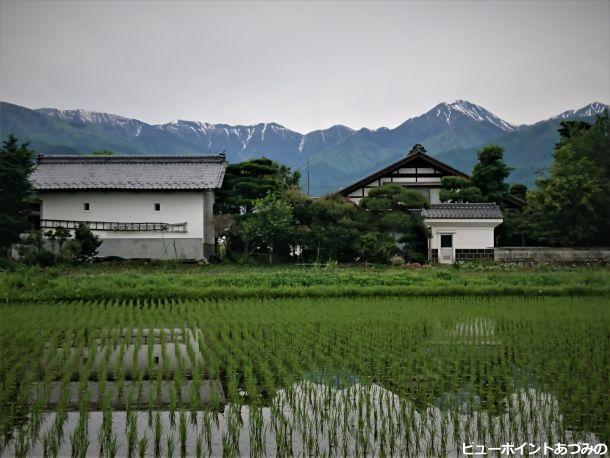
[343, 417]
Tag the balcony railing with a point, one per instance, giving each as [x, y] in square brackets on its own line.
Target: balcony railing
[112, 226]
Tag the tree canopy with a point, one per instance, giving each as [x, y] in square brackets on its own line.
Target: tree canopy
[571, 207]
[245, 182]
[487, 183]
[16, 165]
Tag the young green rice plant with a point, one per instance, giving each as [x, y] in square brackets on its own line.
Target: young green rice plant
[199, 446]
[111, 447]
[158, 431]
[182, 432]
[170, 446]
[79, 438]
[132, 433]
[142, 446]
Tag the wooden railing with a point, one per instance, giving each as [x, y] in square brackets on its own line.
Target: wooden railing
[114, 226]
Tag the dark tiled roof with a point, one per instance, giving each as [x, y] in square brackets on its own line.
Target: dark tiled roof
[462, 211]
[129, 172]
[416, 153]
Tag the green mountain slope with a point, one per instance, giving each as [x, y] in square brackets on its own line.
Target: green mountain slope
[529, 151]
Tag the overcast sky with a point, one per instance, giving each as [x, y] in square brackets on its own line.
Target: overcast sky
[304, 65]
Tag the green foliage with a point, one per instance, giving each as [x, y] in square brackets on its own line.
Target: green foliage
[375, 246]
[459, 190]
[102, 281]
[391, 214]
[487, 181]
[248, 181]
[16, 165]
[268, 223]
[518, 190]
[88, 243]
[325, 228]
[489, 174]
[572, 206]
[393, 197]
[32, 250]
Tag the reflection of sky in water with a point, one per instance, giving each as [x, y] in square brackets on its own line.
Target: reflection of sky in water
[343, 417]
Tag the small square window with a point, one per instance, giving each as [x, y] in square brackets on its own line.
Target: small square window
[86, 207]
[446, 240]
[157, 207]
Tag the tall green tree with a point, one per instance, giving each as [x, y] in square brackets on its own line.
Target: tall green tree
[487, 183]
[394, 210]
[325, 228]
[489, 174]
[269, 223]
[16, 165]
[518, 190]
[248, 181]
[572, 206]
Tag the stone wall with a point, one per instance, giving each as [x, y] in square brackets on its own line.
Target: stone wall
[529, 255]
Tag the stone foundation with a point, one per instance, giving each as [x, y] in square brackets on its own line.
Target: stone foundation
[466, 254]
[153, 248]
[474, 254]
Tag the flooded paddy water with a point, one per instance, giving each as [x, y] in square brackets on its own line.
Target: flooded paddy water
[303, 377]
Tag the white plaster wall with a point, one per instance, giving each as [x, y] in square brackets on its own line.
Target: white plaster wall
[466, 233]
[435, 195]
[127, 207]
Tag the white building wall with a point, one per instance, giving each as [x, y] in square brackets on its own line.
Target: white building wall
[127, 207]
[435, 196]
[466, 233]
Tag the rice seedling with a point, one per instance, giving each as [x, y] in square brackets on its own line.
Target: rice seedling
[348, 376]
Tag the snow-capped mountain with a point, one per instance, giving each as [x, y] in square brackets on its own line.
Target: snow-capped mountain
[105, 120]
[589, 110]
[461, 107]
[335, 156]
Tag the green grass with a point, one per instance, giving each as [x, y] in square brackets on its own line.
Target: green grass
[442, 369]
[171, 281]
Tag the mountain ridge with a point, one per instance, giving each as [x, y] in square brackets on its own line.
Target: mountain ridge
[334, 156]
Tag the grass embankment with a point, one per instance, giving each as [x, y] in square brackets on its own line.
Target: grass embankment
[169, 281]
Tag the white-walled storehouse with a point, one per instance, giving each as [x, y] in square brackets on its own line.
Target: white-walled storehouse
[157, 207]
[459, 231]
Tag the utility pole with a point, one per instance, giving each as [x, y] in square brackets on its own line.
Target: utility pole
[307, 176]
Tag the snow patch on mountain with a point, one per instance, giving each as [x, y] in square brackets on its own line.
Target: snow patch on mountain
[475, 112]
[587, 111]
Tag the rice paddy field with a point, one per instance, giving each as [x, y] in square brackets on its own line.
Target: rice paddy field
[392, 375]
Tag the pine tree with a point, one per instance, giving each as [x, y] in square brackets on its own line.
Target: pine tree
[16, 165]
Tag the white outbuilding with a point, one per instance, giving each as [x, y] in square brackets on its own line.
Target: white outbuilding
[461, 232]
[154, 207]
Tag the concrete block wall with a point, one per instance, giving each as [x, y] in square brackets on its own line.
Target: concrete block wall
[551, 254]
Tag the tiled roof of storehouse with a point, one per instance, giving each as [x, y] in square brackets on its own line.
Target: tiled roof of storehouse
[462, 211]
[129, 172]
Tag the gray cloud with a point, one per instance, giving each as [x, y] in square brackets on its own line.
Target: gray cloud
[305, 65]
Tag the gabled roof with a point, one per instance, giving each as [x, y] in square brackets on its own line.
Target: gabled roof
[418, 153]
[129, 172]
[462, 211]
[404, 162]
